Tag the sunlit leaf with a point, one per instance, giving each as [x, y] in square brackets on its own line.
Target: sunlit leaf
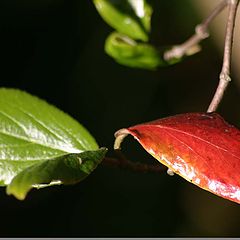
[200, 147]
[33, 131]
[130, 53]
[129, 17]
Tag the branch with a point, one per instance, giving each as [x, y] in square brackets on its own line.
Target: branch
[225, 72]
[122, 162]
[201, 33]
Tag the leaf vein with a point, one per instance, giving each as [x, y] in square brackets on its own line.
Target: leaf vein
[201, 139]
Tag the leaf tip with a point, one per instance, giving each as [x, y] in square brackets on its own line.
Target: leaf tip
[18, 195]
[120, 135]
[103, 150]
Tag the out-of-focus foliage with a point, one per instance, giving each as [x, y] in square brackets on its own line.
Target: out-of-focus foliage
[132, 20]
[129, 17]
[128, 52]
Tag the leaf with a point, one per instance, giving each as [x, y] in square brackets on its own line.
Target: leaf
[32, 132]
[130, 53]
[68, 169]
[200, 147]
[127, 52]
[129, 17]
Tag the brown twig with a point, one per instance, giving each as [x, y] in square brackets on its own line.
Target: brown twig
[225, 72]
[201, 33]
[122, 162]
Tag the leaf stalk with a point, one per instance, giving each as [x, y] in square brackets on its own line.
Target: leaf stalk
[224, 77]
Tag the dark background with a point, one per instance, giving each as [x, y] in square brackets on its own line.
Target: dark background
[54, 49]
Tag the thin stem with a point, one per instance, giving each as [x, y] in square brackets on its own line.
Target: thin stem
[122, 162]
[224, 77]
[201, 32]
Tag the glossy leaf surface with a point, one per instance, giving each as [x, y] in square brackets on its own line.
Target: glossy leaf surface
[129, 17]
[200, 147]
[33, 131]
[130, 53]
[68, 169]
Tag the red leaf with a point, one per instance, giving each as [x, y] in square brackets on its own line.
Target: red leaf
[200, 147]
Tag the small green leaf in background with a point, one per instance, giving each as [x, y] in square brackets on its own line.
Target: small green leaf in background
[129, 17]
[33, 132]
[130, 53]
[143, 11]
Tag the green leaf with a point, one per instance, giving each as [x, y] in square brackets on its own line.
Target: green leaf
[33, 132]
[129, 17]
[66, 169]
[130, 53]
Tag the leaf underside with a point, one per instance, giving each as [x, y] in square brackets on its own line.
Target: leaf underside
[68, 169]
[200, 147]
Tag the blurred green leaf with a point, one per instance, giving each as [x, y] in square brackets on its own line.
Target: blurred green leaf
[130, 53]
[129, 17]
[33, 132]
[66, 169]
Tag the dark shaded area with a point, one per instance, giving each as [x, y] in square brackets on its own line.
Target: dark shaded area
[54, 49]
